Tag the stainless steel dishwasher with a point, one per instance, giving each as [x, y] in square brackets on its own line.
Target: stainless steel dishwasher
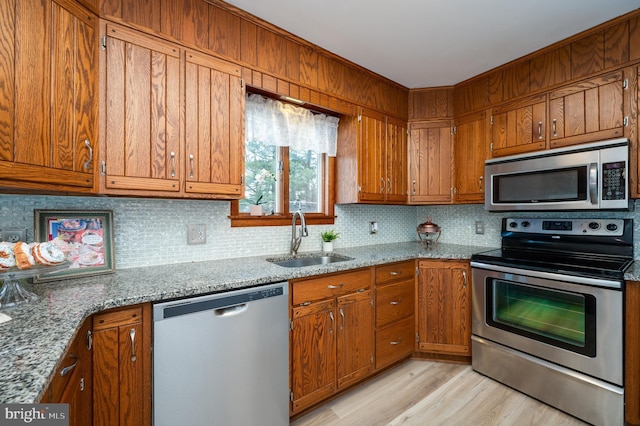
[222, 359]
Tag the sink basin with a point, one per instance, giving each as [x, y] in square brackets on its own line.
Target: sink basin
[308, 260]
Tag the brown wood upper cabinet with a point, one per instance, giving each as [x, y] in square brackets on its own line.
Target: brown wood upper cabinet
[587, 111]
[147, 82]
[470, 151]
[48, 96]
[519, 127]
[430, 159]
[372, 159]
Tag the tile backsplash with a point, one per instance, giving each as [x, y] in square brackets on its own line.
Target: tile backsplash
[151, 232]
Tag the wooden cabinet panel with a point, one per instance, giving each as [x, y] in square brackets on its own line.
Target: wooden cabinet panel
[396, 161]
[470, 153]
[122, 366]
[444, 307]
[354, 339]
[186, 20]
[224, 32]
[328, 286]
[395, 342]
[394, 302]
[587, 55]
[550, 68]
[587, 111]
[142, 141]
[214, 140]
[519, 127]
[430, 160]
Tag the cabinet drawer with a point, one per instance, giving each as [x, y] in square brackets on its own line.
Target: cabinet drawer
[327, 286]
[394, 301]
[394, 342]
[116, 318]
[395, 272]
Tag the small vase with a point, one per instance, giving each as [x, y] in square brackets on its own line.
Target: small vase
[255, 210]
[327, 246]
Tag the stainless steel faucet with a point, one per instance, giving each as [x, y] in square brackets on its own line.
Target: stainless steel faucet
[296, 237]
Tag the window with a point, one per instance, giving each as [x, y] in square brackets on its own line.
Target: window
[289, 157]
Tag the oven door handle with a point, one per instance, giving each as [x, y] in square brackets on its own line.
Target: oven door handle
[593, 183]
[549, 275]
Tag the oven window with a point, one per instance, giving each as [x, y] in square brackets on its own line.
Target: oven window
[556, 317]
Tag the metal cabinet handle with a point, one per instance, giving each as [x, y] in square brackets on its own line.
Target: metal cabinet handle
[68, 368]
[89, 340]
[396, 302]
[332, 321]
[132, 334]
[394, 273]
[382, 185]
[414, 186]
[87, 164]
[396, 342]
[342, 316]
[555, 131]
[464, 279]
[191, 166]
[173, 164]
[333, 287]
[539, 129]
[480, 182]
[389, 185]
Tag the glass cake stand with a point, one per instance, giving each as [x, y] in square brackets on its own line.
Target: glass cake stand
[12, 293]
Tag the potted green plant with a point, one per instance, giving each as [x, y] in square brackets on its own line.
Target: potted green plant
[327, 239]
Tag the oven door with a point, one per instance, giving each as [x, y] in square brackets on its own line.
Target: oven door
[546, 315]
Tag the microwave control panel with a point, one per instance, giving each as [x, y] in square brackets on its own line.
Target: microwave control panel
[614, 181]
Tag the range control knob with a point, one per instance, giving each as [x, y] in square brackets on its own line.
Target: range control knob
[525, 224]
[612, 227]
[513, 224]
[594, 225]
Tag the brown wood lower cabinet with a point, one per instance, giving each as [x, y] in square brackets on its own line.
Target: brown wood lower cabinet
[331, 341]
[122, 366]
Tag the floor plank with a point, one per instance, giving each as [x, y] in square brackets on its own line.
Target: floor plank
[420, 392]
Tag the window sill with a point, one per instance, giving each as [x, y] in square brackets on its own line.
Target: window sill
[246, 220]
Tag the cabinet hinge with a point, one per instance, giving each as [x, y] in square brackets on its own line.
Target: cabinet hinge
[241, 179]
[371, 358]
[103, 168]
[359, 117]
[625, 121]
[625, 84]
[491, 147]
[417, 337]
[82, 384]
[242, 83]
[290, 325]
[491, 120]
[454, 130]
[103, 42]
[417, 271]
[359, 188]
[290, 396]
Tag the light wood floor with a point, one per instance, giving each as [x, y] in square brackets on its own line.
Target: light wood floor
[420, 392]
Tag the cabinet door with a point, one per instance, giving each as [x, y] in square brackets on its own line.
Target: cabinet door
[396, 155]
[122, 367]
[214, 116]
[430, 159]
[313, 354]
[355, 332]
[78, 395]
[519, 127]
[48, 105]
[372, 158]
[470, 153]
[142, 113]
[587, 111]
[444, 307]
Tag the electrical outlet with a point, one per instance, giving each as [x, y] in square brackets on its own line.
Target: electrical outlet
[14, 235]
[479, 227]
[373, 227]
[196, 234]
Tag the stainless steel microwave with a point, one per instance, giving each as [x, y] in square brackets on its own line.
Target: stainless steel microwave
[584, 177]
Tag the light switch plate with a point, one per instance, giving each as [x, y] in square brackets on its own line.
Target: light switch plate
[196, 234]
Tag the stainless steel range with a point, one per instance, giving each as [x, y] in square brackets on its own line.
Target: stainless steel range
[548, 313]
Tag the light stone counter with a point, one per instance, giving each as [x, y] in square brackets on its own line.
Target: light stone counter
[32, 343]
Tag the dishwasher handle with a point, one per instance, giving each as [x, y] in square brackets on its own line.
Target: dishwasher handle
[230, 310]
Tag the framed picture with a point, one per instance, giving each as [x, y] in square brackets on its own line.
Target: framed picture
[85, 237]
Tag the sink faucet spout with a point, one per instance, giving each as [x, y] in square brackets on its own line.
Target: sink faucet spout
[296, 236]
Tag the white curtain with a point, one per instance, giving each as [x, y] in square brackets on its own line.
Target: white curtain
[277, 123]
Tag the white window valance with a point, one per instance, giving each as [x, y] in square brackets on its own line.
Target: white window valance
[281, 124]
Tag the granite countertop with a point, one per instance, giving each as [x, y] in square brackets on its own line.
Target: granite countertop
[38, 334]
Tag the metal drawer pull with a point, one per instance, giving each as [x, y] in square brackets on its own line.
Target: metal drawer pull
[68, 368]
[396, 342]
[87, 164]
[539, 129]
[89, 340]
[555, 131]
[332, 287]
[191, 166]
[394, 273]
[464, 277]
[173, 164]
[132, 334]
[396, 302]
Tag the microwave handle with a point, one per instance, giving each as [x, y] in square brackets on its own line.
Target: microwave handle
[593, 183]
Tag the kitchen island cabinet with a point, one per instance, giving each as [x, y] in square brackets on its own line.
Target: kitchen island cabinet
[48, 96]
[444, 307]
[122, 366]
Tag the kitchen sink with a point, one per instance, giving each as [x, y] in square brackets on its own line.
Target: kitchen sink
[308, 260]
